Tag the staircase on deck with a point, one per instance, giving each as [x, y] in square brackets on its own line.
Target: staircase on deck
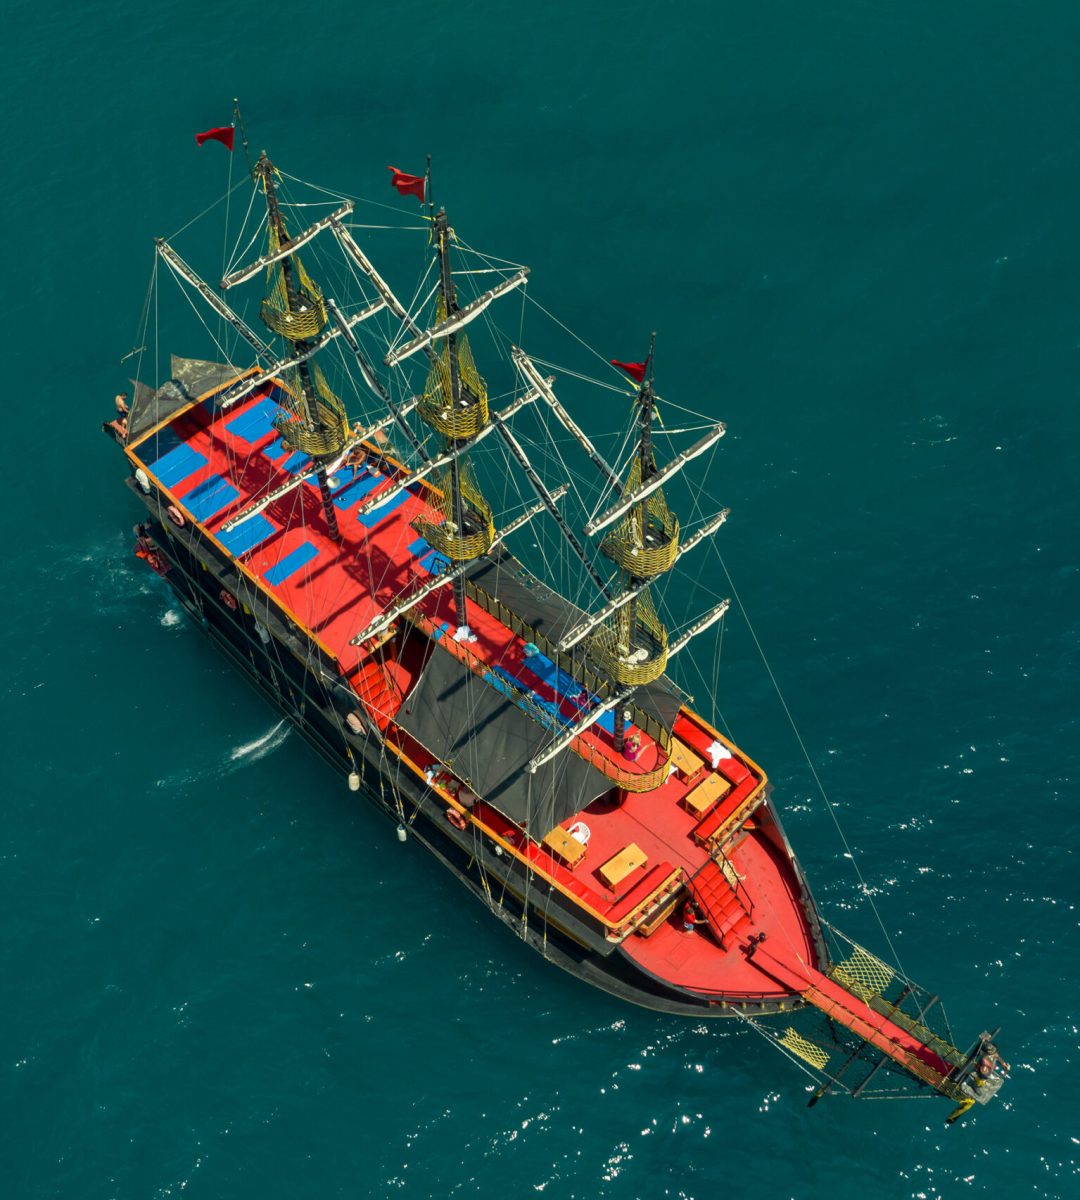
[377, 692]
[726, 908]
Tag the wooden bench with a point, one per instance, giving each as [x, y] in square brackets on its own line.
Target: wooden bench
[724, 812]
[699, 800]
[661, 877]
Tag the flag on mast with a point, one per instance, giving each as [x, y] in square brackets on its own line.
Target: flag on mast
[408, 185]
[634, 370]
[223, 134]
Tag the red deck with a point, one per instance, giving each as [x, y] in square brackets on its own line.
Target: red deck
[214, 464]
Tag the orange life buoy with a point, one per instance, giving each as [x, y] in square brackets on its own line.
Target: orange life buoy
[457, 819]
[176, 516]
[228, 599]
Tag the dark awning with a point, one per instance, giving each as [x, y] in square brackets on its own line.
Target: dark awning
[487, 740]
[554, 616]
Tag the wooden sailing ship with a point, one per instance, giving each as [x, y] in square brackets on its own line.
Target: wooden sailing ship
[537, 746]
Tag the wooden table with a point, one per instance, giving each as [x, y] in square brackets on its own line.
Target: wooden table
[699, 800]
[568, 848]
[684, 759]
[616, 869]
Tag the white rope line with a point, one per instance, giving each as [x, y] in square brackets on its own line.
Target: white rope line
[610, 387]
[208, 208]
[404, 228]
[341, 195]
[237, 257]
[813, 770]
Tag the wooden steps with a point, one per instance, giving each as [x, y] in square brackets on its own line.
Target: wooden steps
[718, 900]
[376, 692]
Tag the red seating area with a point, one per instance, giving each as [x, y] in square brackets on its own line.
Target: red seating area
[725, 810]
[734, 770]
[640, 892]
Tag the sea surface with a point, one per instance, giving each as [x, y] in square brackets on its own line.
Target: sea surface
[856, 229]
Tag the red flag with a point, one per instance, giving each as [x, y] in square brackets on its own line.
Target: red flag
[634, 370]
[223, 134]
[408, 185]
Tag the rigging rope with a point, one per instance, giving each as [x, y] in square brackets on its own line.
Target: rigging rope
[208, 208]
[813, 770]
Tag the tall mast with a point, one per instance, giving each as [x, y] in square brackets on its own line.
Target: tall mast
[646, 468]
[299, 332]
[632, 644]
[446, 284]
[455, 404]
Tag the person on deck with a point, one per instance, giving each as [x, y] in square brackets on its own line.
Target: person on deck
[990, 1060]
[692, 917]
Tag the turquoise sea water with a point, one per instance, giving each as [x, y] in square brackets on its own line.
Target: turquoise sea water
[855, 228]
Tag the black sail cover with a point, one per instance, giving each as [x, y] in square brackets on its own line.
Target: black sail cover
[191, 378]
[501, 574]
[486, 740]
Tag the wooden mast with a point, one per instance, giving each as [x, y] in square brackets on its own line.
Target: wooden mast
[646, 466]
[441, 234]
[264, 170]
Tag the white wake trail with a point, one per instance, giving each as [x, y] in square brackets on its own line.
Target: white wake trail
[261, 747]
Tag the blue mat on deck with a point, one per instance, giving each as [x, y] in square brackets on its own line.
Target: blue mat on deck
[291, 563]
[256, 422]
[342, 477]
[566, 686]
[210, 497]
[371, 519]
[159, 443]
[175, 466]
[434, 563]
[357, 490]
[275, 450]
[297, 463]
[555, 677]
[249, 533]
[428, 558]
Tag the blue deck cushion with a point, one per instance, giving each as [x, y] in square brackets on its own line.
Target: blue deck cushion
[434, 563]
[210, 497]
[566, 687]
[277, 449]
[353, 492]
[247, 534]
[256, 422]
[296, 463]
[371, 519]
[291, 563]
[178, 464]
[428, 559]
